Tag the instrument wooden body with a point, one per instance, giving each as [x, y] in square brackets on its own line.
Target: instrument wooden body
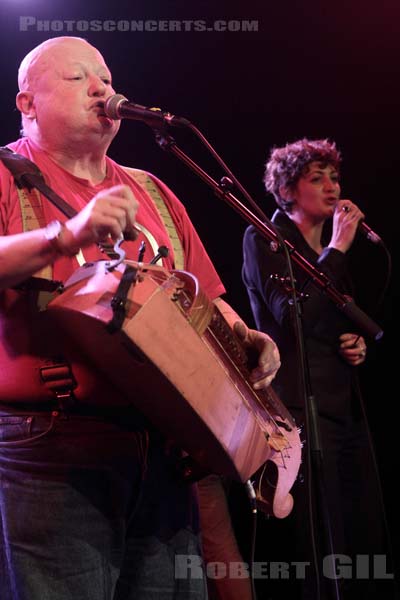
[176, 359]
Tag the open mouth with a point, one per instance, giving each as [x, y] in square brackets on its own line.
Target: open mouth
[99, 106]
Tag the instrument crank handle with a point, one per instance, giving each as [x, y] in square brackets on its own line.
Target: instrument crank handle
[113, 264]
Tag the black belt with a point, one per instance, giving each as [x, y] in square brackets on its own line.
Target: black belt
[77, 408]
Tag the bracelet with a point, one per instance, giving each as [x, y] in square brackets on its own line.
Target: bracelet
[53, 233]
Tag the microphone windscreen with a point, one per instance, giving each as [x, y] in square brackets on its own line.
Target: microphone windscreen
[112, 105]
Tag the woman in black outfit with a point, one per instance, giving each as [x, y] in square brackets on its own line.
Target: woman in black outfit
[304, 179]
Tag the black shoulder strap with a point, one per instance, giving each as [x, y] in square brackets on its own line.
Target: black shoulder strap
[27, 174]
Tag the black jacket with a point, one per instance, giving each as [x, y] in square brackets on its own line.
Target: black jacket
[332, 379]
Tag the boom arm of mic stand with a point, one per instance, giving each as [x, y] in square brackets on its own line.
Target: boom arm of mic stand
[319, 279]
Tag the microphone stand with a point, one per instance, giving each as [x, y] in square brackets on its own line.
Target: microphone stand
[321, 281]
[266, 229]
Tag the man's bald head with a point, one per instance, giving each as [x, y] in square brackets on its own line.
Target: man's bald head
[37, 60]
[63, 83]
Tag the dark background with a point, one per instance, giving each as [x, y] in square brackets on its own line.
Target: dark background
[314, 69]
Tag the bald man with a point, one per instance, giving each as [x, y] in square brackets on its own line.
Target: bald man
[90, 505]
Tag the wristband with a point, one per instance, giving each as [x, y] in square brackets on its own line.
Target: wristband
[53, 233]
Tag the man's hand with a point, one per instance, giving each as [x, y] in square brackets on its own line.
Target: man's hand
[268, 354]
[268, 359]
[109, 214]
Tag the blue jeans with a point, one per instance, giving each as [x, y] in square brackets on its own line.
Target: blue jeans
[91, 509]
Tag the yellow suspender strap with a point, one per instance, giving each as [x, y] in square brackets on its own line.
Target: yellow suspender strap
[33, 218]
[145, 181]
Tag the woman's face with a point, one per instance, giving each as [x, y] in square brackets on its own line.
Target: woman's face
[317, 192]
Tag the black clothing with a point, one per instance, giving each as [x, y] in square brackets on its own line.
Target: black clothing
[323, 323]
[350, 475]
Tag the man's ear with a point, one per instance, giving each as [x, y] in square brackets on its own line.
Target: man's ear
[25, 104]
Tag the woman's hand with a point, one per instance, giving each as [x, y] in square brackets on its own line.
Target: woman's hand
[345, 223]
[352, 348]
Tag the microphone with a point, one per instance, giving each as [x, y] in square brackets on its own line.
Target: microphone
[369, 234]
[119, 107]
[366, 230]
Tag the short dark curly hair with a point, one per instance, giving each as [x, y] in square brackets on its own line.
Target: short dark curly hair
[286, 165]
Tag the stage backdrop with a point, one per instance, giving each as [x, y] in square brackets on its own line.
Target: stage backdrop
[251, 75]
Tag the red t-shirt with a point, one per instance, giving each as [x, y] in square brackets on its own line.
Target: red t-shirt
[27, 344]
